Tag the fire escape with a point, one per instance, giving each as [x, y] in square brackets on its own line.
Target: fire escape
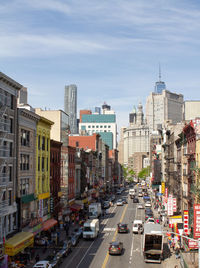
[4, 155]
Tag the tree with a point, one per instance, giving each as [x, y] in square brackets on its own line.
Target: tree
[144, 173]
[128, 173]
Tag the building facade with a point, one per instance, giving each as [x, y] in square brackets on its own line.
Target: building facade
[161, 107]
[8, 154]
[70, 106]
[191, 109]
[136, 136]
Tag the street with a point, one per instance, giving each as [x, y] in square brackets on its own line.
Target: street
[95, 253]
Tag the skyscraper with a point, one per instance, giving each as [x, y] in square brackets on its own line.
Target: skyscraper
[70, 106]
[160, 85]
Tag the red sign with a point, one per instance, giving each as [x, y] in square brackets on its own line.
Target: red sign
[192, 244]
[185, 221]
[166, 192]
[174, 204]
[197, 221]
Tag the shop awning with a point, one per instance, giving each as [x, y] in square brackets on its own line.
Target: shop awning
[18, 242]
[75, 207]
[49, 224]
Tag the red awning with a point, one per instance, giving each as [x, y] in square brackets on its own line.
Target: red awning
[75, 207]
[49, 223]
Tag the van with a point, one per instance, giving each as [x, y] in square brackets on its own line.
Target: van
[91, 229]
[136, 225]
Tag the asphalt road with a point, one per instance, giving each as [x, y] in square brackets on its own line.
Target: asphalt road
[94, 254]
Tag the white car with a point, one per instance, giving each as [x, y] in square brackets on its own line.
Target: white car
[150, 220]
[42, 264]
[140, 206]
[120, 202]
[140, 194]
[137, 225]
[148, 204]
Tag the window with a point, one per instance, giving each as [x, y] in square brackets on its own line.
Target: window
[93, 126]
[89, 126]
[10, 173]
[10, 197]
[101, 126]
[38, 142]
[77, 144]
[47, 164]
[43, 143]
[109, 126]
[25, 137]
[24, 187]
[105, 126]
[11, 149]
[11, 125]
[42, 163]
[38, 163]
[12, 102]
[97, 126]
[24, 162]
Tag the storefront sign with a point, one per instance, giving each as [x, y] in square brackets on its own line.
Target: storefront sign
[170, 206]
[185, 222]
[174, 204]
[192, 244]
[197, 221]
[163, 188]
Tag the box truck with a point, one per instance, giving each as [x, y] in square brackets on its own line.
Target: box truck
[91, 229]
[153, 243]
[95, 210]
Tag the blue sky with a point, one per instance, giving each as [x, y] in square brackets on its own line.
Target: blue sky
[110, 49]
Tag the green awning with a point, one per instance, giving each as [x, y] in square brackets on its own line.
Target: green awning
[28, 198]
[155, 186]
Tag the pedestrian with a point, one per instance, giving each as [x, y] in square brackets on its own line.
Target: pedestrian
[177, 252]
[37, 258]
[67, 230]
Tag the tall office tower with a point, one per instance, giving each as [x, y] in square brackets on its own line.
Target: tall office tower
[70, 106]
[97, 110]
[160, 85]
[103, 124]
[161, 107]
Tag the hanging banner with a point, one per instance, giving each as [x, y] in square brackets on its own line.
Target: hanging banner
[185, 222]
[174, 204]
[170, 206]
[196, 220]
[163, 188]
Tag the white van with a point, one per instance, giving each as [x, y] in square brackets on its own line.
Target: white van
[136, 225]
[91, 228]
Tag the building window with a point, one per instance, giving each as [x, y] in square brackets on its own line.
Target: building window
[11, 149]
[10, 197]
[43, 143]
[11, 125]
[12, 102]
[24, 187]
[97, 126]
[38, 163]
[93, 126]
[42, 163]
[89, 126]
[105, 126]
[77, 144]
[10, 173]
[38, 142]
[24, 162]
[101, 126]
[25, 137]
[109, 126]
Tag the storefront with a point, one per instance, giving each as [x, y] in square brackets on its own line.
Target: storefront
[18, 243]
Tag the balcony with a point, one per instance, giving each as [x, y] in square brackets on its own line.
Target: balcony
[4, 151]
[3, 179]
[4, 207]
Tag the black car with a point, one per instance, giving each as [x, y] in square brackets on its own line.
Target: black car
[65, 247]
[124, 200]
[74, 238]
[135, 200]
[54, 260]
[122, 228]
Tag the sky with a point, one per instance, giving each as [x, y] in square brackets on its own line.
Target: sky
[110, 49]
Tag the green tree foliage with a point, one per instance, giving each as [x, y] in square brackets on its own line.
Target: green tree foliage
[144, 173]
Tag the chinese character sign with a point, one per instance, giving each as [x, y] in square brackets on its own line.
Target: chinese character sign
[163, 188]
[174, 204]
[185, 221]
[170, 206]
[196, 220]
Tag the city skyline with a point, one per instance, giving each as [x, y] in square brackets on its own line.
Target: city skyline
[110, 50]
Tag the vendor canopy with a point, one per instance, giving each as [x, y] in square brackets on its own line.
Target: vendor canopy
[18, 242]
[49, 223]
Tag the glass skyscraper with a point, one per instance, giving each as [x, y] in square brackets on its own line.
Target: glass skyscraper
[159, 87]
[70, 107]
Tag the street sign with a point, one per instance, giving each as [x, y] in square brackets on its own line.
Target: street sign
[174, 204]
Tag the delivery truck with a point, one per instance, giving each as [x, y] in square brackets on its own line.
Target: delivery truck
[91, 229]
[95, 210]
[153, 243]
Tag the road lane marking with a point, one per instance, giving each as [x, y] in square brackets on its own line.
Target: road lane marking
[109, 229]
[115, 234]
[85, 254]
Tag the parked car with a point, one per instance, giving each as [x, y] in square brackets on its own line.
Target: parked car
[137, 226]
[106, 204]
[54, 260]
[118, 192]
[135, 200]
[148, 204]
[150, 220]
[124, 200]
[65, 247]
[119, 202]
[42, 264]
[140, 206]
[140, 194]
[116, 248]
[122, 228]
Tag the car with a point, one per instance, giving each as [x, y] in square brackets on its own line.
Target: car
[106, 204]
[115, 248]
[42, 264]
[140, 206]
[137, 226]
[148, 204]
[119, 202]
[140, 194]
[150, 220]
[122, 228]
[74, 238]
[54, 260]
[65, 248]
[78, 231]
[135, 200]
[112, 197]
[124, 200]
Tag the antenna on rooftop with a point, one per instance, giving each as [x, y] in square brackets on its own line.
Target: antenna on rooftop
[159, 72]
